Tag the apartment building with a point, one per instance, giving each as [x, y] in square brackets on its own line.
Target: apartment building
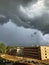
[36, 52]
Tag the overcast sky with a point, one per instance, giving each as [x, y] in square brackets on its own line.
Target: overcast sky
[24, 22]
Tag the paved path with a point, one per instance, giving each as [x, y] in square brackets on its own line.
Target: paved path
[20, 59]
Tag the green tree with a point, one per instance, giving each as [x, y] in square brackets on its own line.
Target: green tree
[3, 47]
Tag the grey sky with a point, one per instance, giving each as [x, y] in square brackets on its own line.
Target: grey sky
[12, 34]
[28, 16]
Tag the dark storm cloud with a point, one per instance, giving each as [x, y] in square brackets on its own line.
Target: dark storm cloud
[11, 9]
[26, 2]
[3, 19]
[41, 23]
[46, 3]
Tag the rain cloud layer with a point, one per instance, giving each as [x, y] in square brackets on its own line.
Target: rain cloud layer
[23, 22]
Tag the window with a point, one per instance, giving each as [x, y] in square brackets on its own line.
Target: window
[45, 48]
[45, 51]
[45, 56]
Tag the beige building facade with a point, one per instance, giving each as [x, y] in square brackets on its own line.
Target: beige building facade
[44, 52]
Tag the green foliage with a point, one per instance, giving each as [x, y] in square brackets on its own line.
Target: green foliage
[9, 47]
[2, 47]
